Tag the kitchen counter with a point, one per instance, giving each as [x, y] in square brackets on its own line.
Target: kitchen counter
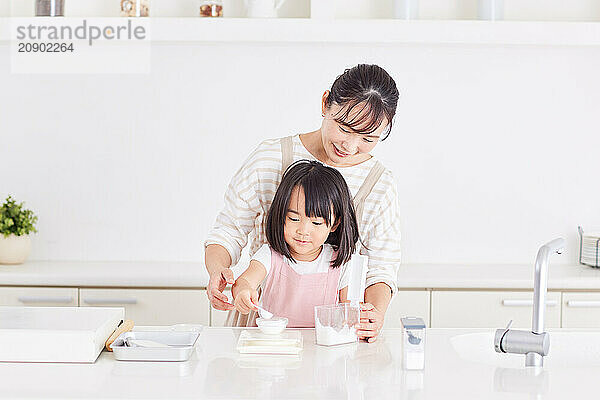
[193, 275]
[105, 274]
[354, 371]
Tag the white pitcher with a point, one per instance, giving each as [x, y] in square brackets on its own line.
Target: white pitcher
[263, 8]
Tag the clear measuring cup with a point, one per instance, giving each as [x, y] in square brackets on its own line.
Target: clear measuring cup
[334, 324]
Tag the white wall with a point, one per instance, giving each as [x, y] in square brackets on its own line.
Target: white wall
[495, 149]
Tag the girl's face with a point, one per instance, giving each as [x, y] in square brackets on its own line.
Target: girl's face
[304, 235]
[343, 146]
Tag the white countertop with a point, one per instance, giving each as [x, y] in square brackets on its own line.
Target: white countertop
[495, 276]
[105, 274]
[194, 275]
[355, 371]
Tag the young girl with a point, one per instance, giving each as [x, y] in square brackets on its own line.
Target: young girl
[311, 233]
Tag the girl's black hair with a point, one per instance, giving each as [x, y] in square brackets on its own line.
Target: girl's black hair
[371, 88]
[324, 188]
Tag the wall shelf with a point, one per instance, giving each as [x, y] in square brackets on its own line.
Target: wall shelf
[375, 31]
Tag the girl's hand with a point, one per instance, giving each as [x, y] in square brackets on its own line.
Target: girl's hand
[244, 289]
[216, 284]
[245, 299]
[244, 296]
[371, 322]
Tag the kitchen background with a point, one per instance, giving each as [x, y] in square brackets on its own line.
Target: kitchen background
[494, 149]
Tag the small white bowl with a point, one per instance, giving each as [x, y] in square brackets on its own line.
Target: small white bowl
[273, 326]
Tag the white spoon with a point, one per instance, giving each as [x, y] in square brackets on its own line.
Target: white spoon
[143, 343]
[264, 313]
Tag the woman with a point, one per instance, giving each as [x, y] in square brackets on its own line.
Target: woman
[357, 114]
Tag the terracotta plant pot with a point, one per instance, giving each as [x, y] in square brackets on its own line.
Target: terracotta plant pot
[14, 249]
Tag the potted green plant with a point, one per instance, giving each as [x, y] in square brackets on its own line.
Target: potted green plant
[16, 224]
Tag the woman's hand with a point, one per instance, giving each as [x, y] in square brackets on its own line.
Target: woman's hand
[371, 322]
[244, 296]
[217, 283]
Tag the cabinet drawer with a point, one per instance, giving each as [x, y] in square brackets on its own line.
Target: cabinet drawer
[152, 306]
[405, 303]
[481, 309]
[581, 310]
[36, 297]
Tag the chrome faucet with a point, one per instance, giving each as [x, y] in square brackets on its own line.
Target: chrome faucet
[535, 344]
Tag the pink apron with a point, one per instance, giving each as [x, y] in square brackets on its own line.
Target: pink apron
[290, 277]
[289, 294]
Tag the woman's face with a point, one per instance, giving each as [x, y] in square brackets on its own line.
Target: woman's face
[343, 146]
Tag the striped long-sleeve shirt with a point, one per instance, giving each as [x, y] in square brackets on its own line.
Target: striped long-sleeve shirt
[251, 191]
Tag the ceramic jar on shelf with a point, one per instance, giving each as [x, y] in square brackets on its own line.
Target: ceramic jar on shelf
[211, 8]
[135, 8]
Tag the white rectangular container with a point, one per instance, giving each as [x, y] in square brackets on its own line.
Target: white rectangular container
[255, 342]
[181, 344]
[56, 334]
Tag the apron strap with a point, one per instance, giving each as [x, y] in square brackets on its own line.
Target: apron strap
[366, 188]
[287, 153]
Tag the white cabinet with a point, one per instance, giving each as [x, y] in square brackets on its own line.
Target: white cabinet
[581, 310]
[152, 306]
[487, 309]
[38, 296]
[405, 303]
[438, 308]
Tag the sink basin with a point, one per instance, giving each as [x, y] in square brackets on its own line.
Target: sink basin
[575, 349]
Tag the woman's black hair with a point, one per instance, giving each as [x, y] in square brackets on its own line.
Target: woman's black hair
[367, 86]
[324, 188]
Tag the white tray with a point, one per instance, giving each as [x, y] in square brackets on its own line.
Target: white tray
[256, 342]
[181, 345]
